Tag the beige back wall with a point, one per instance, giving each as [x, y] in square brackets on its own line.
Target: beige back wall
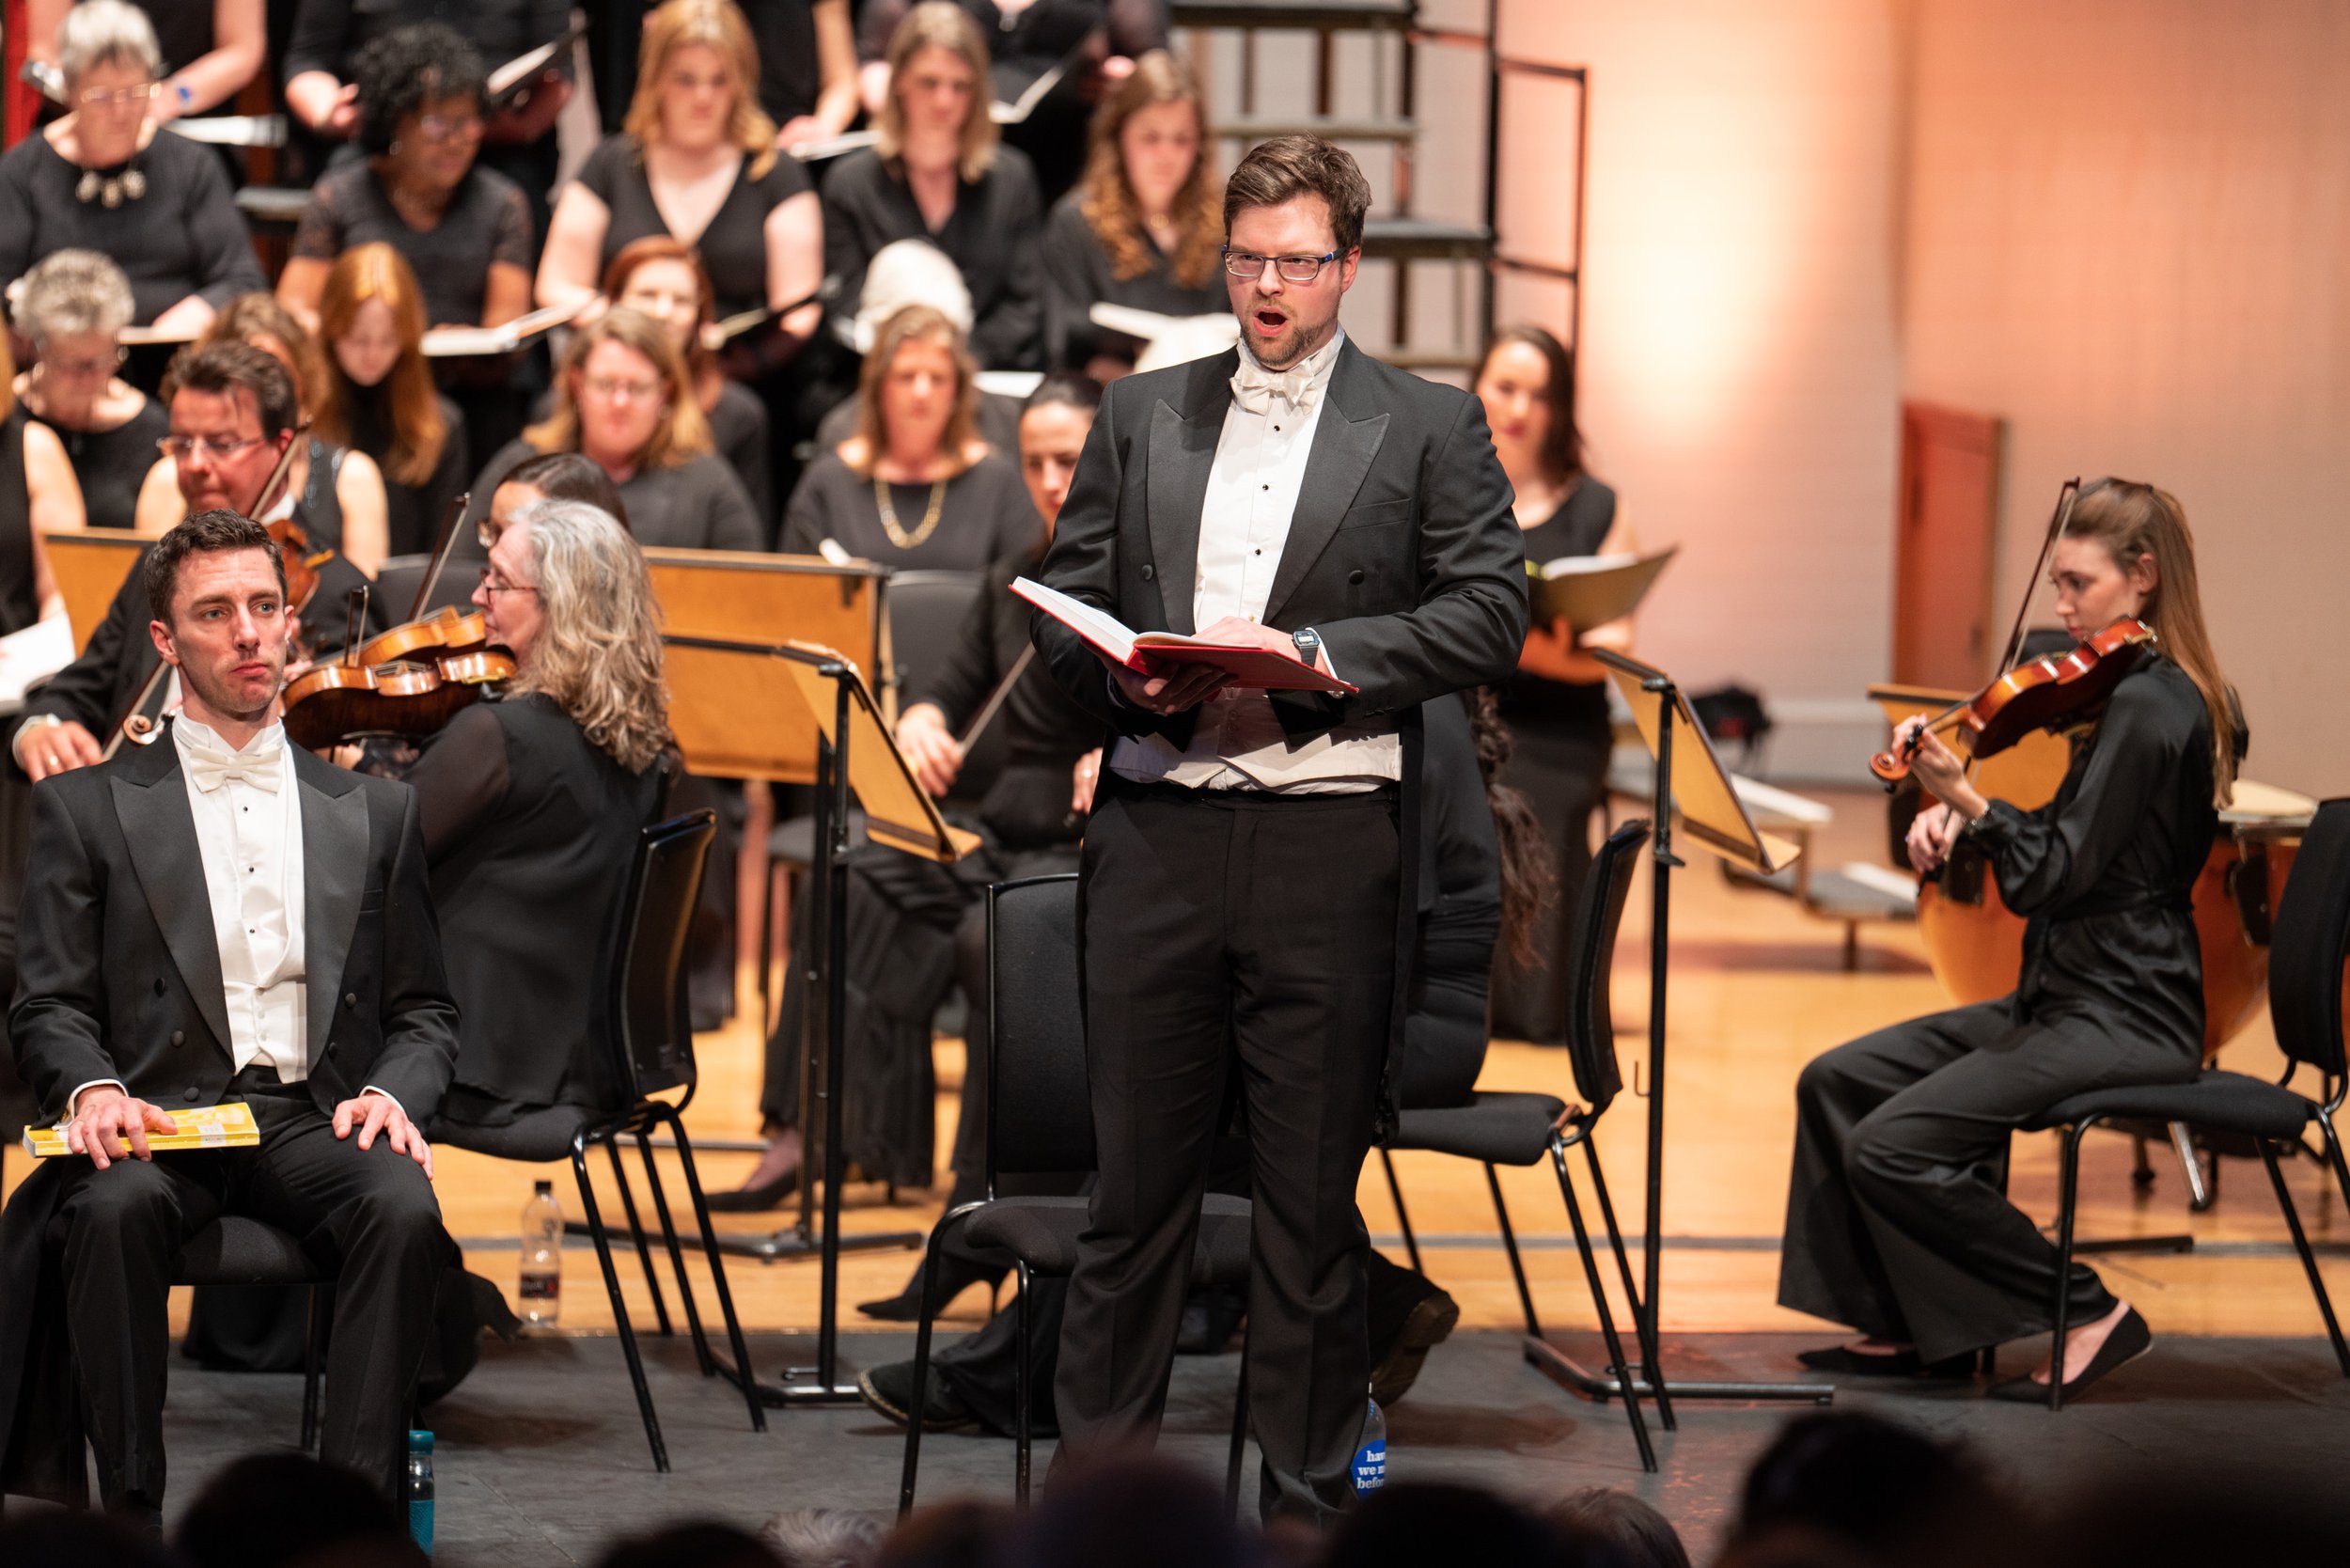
[2129, 234]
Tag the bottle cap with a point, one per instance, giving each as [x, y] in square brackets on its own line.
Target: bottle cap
[419, 1442]
[545, 1189]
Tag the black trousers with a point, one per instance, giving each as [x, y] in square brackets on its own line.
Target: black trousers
[371, 1210]
[1896, 1220]
[1223, 929]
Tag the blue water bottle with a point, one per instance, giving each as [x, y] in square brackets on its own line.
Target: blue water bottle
[1371, 1451]
[421, 1490]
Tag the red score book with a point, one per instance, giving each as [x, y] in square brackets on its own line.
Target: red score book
[1146, 652]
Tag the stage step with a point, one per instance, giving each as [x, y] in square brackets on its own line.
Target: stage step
[1426, 239]
[1309, 15]
[1373, 129]
[272, 206]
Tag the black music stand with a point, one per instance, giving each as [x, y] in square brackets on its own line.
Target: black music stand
[856, 761]
[1691, 778]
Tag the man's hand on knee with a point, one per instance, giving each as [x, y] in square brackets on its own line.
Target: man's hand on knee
[377, 1113]
[109, 1125]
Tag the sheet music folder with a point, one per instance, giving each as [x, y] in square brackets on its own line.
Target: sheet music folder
[897, 811]
[1708, 806]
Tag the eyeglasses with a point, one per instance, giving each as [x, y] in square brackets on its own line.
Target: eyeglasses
[213, 448]
[492, 586]
[1294, 269]
[83, 369]
[115, 98]
[616, 388]
[439, 128]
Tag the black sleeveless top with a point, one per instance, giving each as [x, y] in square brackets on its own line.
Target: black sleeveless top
[1536, 702]
[320, 506]
[19, 608]
[112, 464]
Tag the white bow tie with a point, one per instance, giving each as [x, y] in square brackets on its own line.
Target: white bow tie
[212, 767]
[1254, 387]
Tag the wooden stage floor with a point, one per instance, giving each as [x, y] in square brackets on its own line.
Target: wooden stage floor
[1757, 988]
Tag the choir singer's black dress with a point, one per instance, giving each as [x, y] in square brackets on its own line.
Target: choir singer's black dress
[1896, 1223]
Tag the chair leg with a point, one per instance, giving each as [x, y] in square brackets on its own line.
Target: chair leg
[1402, 1215]
[314, 1321]
[1618, 1364]
[1643, 1317]
[2061, 1310]
[739, 1375]
[1024, 1392]
[2333, 1154]
[619, 1308]
[644, 1253]
[922, 1354]
[2309, 1259]
[1240, 1433]
[1509, 1244]
[676, 1255]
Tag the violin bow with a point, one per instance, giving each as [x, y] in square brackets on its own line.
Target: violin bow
[440, 554]
[995, 703]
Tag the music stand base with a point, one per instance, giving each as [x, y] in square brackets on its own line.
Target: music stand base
[812, 1393]
[1569, 1374]
[790, 1245]
[2136, 1243]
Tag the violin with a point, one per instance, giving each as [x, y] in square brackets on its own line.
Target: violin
[410, 681]
[2048, 693]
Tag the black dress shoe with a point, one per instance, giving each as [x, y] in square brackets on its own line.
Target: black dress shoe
[2130, 1339]
[889, 1390]
[747, 1200]
[1844, 1361]
[1426, 1327]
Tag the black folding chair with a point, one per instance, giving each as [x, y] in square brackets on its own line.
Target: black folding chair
[237, 1250]
[654, 1052]
[2305, 987]
[1516, 1129]
[1041, 1123]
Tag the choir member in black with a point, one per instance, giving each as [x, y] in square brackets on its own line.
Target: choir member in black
[1484, 873]
[666, 280]
[74, 304]
[1897, 1223]
[807, 68]
[209, 51]
[339, 492]
[532, 802]
[105, 178]
[904, 273]
[1556, 703]
[939, 173]
[549, 476]
[321, 71]
[622, 399]
[232, 413]
[1094, 42]
[420, 187]
[916, 928]
[916, 486]
[380, 400]
[335, 1028]
[696, 163]
[1145, 227]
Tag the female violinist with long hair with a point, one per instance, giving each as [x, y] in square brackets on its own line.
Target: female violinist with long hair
[1896, 1223]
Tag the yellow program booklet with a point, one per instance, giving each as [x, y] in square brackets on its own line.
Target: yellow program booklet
[227, 1125]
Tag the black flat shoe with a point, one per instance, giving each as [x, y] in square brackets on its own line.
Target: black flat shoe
[888, 1392]
[1844, 1361]
[747, 1201]
[2130, 1339]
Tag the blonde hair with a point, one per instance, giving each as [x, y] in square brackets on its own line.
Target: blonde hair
[1108, 198]
[917, 324]
[420, 429]
[2134, 522]
[682, 434]
[598, 656]
[718, 26]
[941, 25]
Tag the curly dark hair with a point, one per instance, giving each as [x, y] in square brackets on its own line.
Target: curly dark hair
[408, 67]
[1529, 882]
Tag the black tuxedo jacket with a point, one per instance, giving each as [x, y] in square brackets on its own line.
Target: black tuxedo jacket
[119, 967]
[1402, 553]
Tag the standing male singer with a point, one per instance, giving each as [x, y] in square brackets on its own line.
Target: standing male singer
[219, 915]
[1244, 894]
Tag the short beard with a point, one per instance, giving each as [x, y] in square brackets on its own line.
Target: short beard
[1308, 346]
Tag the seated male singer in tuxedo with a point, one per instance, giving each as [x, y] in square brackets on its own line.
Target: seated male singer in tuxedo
[1249, 903]
[219, 915]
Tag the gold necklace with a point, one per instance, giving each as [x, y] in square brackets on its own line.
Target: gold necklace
[897, 535]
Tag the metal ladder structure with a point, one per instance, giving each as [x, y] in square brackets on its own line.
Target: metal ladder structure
[1396, 236]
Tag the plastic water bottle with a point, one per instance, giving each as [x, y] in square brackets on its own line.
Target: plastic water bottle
[421, 1490]
[1371, 1451]
[542, 1288]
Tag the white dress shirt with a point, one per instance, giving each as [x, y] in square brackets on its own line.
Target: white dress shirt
[251, 840]
[1253, 486]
